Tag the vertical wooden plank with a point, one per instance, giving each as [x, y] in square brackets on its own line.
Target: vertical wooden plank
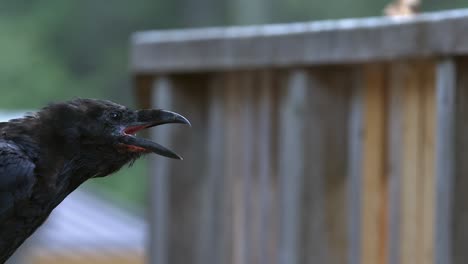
[263, 137]
[234, 170]
[355, 159]
[427, 79]
[335, 89]
[459, 209]
[217, 166]
[291, 161]
[315, 231]
[159, 170]
[178, 187]
[444, 160]
[395, 145]
[317, 234]
[374, 204]
[268, 231]
[210, 246]
[229, 156]
[249, 165]
[323, 210]
[272, 83]
[260, 206]
[411, 189]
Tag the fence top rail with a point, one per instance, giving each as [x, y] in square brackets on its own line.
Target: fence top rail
[310, 43]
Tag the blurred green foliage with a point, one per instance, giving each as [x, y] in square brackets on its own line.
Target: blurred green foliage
[55, 50]
[58, 49]
[128, 186]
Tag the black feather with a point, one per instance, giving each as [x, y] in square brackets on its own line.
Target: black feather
[47, 155]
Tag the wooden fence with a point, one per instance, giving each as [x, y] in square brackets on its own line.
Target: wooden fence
[326, 142]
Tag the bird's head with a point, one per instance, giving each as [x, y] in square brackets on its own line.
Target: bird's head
[106, 125]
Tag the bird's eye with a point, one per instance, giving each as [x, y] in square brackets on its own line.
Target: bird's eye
[115, 115]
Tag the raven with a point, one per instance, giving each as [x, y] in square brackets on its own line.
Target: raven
[46, 155]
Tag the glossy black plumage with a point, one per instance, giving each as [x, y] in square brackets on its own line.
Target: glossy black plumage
[47, 155]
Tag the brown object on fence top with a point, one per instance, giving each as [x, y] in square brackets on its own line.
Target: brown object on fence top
[312, 43]
[402, 8]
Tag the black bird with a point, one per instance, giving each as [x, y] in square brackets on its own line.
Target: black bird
[47, 155]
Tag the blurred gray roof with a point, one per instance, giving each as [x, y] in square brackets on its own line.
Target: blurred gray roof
[86, 222]
[6, 115]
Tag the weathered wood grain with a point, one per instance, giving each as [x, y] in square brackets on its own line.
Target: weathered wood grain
[311, 165]
[444, 160]
[428, 135]
[459, 209]
[313, 160]
[267, 182]
[411, 164]
[158, 212]
[291, 162]
[267, 190]
[330, 89]
[411, 200]
[234, 171]
[411, 138]
[211, 238]
[395, 151]
[269, 167]
[248, 171]
[355, 167]
[374, 178]
[314, 43]
[177, 195]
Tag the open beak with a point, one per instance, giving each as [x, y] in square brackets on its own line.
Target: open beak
[146, 119]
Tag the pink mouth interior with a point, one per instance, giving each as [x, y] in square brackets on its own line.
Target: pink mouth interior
[133, 129]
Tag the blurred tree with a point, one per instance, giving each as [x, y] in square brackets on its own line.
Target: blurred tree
[54, 50]
[202, 13]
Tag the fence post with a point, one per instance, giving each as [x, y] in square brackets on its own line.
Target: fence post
[444, 167]
[158, 186]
